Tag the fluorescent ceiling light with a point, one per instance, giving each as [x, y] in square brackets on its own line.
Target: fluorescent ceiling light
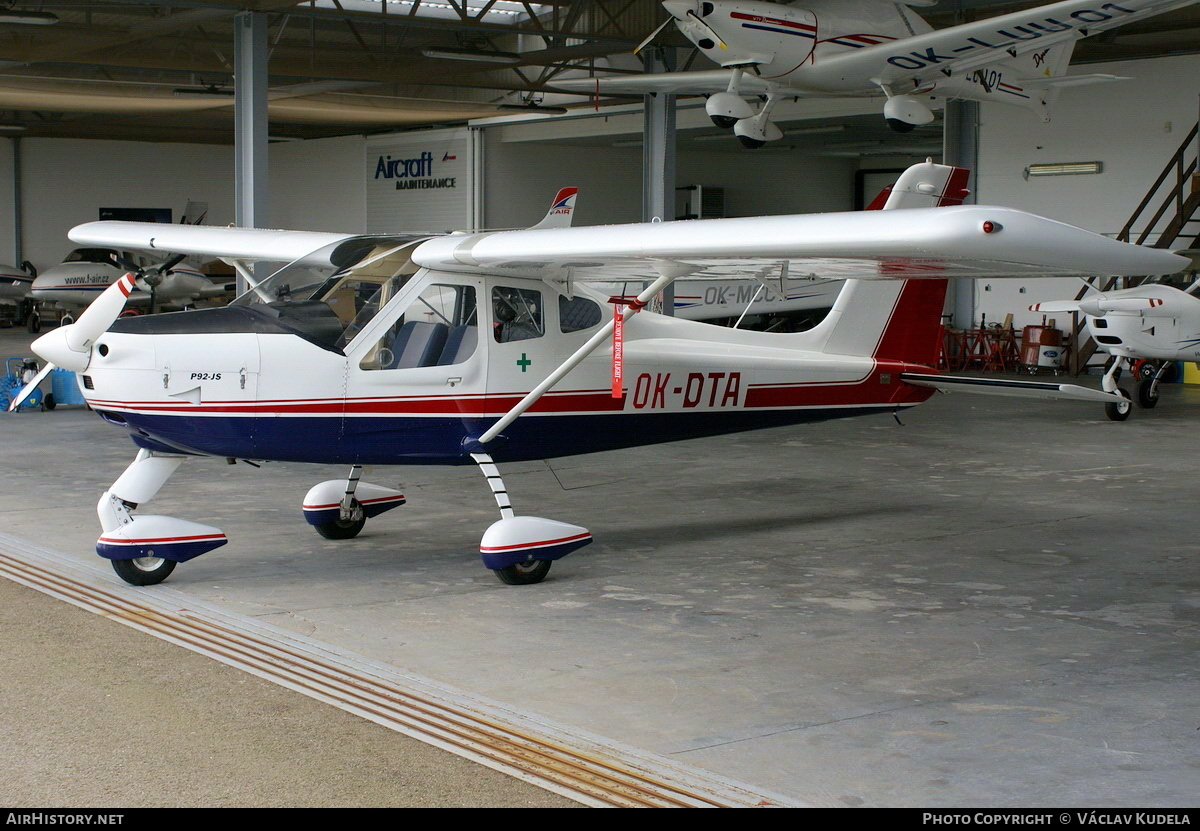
[534, 108]
[1064, 169]
[202, 92]
[28, 18]
[450, 53]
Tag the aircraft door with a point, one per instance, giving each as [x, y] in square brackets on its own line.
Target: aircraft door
[533, 330]
[419, 374]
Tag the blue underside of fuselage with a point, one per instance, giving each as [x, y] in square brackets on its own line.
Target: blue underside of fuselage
[417, 441]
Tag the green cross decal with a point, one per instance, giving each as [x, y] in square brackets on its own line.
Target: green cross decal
[524, 363]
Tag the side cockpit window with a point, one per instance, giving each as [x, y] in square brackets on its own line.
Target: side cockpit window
[439, 328]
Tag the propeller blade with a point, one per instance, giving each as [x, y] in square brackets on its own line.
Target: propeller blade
[696, 19]
[30, 387]
[1056, 306]
[171, 263]
[70, 346]
[652, 36]
[97, 317]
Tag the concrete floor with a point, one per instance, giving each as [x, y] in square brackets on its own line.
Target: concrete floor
[995, 604]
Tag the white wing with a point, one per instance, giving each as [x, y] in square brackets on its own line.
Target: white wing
[250, 244]
[944, 52]
[965, 241]
[700, 82]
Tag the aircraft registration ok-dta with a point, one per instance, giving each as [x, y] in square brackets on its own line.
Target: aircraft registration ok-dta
[872, 47]
[489, 347]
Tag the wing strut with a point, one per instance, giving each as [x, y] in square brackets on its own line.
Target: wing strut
[582, 352]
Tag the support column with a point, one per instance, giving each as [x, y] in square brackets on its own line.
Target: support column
[250, 118]
[658, 156]
[960, 147]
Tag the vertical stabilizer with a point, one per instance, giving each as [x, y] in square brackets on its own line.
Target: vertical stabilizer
[898, 320]
[929, 185]
[561, 210]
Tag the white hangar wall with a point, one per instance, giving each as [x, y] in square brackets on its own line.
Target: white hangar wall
[64, 182]
[1132, 127]
[520, 177]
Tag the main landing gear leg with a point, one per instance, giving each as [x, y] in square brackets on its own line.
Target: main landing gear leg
[520, 549]
[1117, 411]
[339, 508]
[145, 549]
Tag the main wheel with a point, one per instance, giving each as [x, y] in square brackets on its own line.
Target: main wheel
[143, 571]
[524, 574]
[1119, 412]
[1147, 393]
[344, 529]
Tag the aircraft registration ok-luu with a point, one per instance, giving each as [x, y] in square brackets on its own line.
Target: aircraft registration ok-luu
[777, 51]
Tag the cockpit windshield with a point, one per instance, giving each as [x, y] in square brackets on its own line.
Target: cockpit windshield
[338, 289]
[91, 255]
[1185, 281]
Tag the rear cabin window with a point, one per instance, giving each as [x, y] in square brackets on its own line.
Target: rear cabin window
[578, 313]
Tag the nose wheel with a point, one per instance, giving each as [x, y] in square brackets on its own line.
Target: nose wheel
[344, 529]
[524, 574]
[143, 571]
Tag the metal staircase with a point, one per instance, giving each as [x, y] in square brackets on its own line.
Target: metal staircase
[1168, 217]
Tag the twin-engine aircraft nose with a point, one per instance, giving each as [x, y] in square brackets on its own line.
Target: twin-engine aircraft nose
[70, 346]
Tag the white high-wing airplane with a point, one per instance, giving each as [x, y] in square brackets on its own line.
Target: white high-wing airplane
[489, 347]
[871, 47]
[86, 272]
[1155, 321]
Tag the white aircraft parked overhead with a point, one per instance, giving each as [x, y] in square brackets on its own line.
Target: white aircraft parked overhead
[86, 272]
[1156, 321]
[487, 347]
[776, 51]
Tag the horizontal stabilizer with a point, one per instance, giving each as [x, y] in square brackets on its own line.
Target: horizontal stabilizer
[1014, 388]
[1099, 305]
